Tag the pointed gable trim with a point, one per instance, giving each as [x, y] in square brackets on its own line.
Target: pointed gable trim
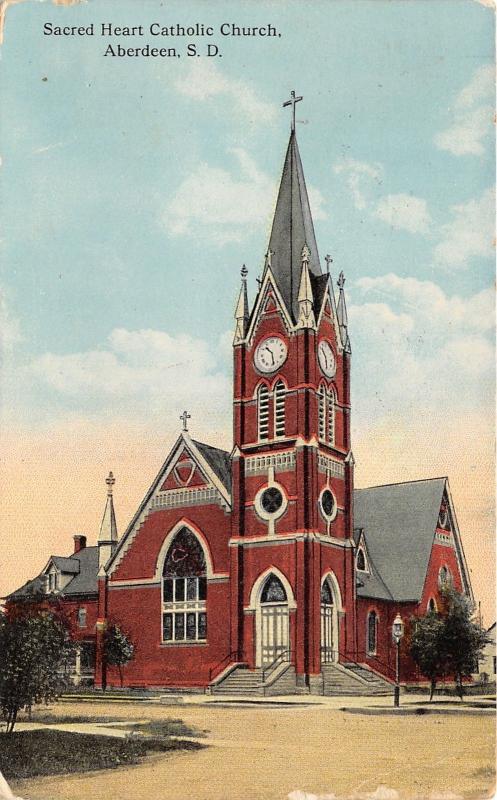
[268, 281]
[329, 297]
[183, 442]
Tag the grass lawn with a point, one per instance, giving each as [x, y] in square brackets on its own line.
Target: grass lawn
[28, 754]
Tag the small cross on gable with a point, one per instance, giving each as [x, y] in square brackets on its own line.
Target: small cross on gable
[184, 417]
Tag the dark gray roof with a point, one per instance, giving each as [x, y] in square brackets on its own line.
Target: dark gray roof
[319, 284]
[67, 565]
[218, 460]
[85, 582]
[292, 229]
[399, 522]
[84, 565]
[29, 589]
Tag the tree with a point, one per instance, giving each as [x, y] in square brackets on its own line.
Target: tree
[118, 649]
[463, 638]
[449, 642]
[427, 647]
[35, 647]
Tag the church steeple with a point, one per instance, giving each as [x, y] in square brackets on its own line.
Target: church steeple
[292, 230]
[107, 537]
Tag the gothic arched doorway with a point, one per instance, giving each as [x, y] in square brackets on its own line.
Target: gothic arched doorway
[273, 630]
[329, 623]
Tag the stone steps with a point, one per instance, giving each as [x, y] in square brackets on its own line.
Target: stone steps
[353, 680]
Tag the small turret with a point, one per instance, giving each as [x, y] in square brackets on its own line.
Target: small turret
[107, 538]
[342, 314]
[305, 297]
[242, 309]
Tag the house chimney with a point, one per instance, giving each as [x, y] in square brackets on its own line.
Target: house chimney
[79, 542]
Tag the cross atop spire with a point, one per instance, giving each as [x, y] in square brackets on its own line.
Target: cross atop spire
[185, 417]
[292, 102]
[341, 280]
[110, 481]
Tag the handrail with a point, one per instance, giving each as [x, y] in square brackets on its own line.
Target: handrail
[283, 656]
[367, 656]
[235, 655]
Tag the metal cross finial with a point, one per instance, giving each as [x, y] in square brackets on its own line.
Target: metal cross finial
[341, 280]
[244, 272]
[292, 102]
[110, 481]
[306, 254]
[329, 261]
[184, 417]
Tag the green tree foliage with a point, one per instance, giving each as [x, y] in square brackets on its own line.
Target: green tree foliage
[35, 648]
[449, 642]
[463, 639]
[118, 648]
[426, 647]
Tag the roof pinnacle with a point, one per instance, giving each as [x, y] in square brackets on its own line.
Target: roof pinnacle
[329, 261]
[242, 309]
[110, 481]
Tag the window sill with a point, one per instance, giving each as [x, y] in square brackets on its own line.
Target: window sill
[203, 643]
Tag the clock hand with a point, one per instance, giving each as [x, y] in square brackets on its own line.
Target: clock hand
[270, 352]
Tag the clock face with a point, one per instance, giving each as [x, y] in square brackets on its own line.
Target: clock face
[270, 354]
[326, 358]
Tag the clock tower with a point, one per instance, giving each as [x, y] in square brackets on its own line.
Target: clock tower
[292, 575]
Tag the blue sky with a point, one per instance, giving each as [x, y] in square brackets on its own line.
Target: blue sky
[134, 189]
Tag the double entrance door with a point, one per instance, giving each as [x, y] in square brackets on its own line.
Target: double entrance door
[275, 632]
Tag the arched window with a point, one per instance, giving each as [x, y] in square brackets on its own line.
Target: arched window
[326, 595]
[273, 591]
[361, 560]
[331, 416]
[82, 617]
[279, 409]
[184, 590]
[444, 577]
[322, 411]
[372, 625]
[432, 606]
[263, 412]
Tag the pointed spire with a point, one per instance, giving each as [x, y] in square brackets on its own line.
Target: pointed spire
[305, 296]
[342, 313]
[292, 229]
[107, 538]
[242, 309]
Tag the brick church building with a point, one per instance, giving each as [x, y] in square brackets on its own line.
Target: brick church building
[263, 570]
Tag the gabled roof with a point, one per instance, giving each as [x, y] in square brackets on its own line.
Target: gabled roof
[67, 565]
[399, 522]
[292, 229]
[218, 460]
[83, 565]
[213, 462]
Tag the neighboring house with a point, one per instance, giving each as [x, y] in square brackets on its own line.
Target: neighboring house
[263, 568]
[488, 661]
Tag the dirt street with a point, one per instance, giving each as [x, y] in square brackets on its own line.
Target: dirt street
[261, 753]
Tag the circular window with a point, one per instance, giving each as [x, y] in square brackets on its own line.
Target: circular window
[271, 500]
[328, 504]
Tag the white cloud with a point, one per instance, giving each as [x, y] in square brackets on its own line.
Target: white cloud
[204, 80]
[141, 371]
[473, 116]
[404, 211]
[227, 206]
[360, 176]
[418, 347]
[470, 233]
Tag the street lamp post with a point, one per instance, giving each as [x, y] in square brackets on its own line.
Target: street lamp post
[397, 634]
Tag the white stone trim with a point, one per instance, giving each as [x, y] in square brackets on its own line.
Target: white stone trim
[282, 461]
[330, 466]
[184, 497]
[445, 539]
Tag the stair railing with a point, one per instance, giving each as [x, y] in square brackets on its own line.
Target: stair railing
[345, 659]
[231, 658]
[280, 659]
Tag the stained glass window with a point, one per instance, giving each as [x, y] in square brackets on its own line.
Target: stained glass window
[271, 500]
[184, 590]
[273, 591]
[372, 618]
[326, 596]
